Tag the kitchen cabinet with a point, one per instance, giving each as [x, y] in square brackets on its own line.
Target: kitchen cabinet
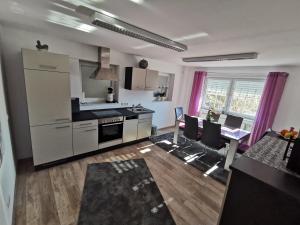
[151, 79]
[85, 136]
[48, 61]
[47, 82]
[51, 142]
[144, 126]
[140, 79]
[130, 128]
[48, 97]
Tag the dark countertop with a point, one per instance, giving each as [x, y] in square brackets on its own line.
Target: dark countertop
[88, 115]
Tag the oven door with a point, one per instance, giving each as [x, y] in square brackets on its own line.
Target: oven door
[110, 132]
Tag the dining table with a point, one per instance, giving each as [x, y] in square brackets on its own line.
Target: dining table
[234, 136]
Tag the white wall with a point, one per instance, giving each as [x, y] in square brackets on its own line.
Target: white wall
[288, 111]
[15, 39]
[7, 169]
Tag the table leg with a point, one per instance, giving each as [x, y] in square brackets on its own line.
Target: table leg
[176, 132]
[233, 146]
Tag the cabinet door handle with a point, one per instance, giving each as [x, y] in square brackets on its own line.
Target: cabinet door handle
[112, 124]
[62, 127]
[48, 67]
[62, 119]
[90, 130]
[84, 124]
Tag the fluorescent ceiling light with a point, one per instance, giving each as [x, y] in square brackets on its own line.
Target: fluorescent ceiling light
[110, 22]
[238, 56]
[183, 38]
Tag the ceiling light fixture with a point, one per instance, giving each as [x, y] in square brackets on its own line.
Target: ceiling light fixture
[108, 22]
[238, 56]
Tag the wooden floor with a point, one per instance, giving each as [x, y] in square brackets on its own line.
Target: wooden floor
[52, 196]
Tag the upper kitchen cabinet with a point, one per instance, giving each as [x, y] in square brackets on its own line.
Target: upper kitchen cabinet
[41, 60]
[140, 79]
[48, 91]
[151, 79]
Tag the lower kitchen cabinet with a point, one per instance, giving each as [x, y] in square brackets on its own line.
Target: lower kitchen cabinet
[144, 129]
[130, 128]
[85, 139]
[51, 142]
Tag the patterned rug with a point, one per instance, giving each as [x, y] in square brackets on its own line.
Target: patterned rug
[208, 161]
[122, 193]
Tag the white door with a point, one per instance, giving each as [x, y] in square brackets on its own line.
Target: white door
[48, 97]
[138, 79]
[51, 142]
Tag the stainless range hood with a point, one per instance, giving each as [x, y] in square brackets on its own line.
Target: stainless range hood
[105, 71]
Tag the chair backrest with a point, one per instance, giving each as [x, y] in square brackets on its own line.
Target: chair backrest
[179, 113]
[233, 122]
[191, 127]
[211, 135]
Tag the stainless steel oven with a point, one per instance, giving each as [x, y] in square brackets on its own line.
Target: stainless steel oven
[110, 129]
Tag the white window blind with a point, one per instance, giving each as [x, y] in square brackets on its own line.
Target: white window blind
[216, 93]
[245, 97]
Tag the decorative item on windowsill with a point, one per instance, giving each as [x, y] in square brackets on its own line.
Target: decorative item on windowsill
[211, 114]
[143, 64]
[41, 47]
[156, 95]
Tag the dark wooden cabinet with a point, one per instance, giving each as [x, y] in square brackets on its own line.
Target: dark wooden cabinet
[258, 194]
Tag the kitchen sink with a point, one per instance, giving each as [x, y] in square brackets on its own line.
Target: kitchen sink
[137, 110]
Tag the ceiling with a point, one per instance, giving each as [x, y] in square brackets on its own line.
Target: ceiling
[269, 27]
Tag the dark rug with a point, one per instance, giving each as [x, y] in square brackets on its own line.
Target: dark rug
[210, 162]
[122, 193]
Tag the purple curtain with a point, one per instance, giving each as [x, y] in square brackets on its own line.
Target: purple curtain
[198, 82]
[268, 104]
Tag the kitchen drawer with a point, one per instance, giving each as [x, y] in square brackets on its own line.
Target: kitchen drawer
[85, 140]
[86, 123]
[145, 116]
[41, 60]
[51, 142]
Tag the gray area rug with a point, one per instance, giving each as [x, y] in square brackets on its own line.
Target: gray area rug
[122, 193]
[210, 162]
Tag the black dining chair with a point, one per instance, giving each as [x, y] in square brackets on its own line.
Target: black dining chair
[211, 136]
[233, 122]
[191, 130]
[179, 116]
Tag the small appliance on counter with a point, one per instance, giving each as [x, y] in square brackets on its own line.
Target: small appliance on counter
[110, 95]
[75, 105]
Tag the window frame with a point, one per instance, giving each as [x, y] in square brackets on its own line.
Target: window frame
[229, 94]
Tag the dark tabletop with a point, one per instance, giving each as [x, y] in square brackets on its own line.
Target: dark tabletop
[89, 115]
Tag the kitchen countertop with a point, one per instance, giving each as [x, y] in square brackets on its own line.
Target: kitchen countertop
[88, 114]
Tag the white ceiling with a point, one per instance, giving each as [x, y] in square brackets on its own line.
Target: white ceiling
[269, 27]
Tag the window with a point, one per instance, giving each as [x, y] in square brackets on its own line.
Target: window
[245, 97]
[216, 94]
[239, 97]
